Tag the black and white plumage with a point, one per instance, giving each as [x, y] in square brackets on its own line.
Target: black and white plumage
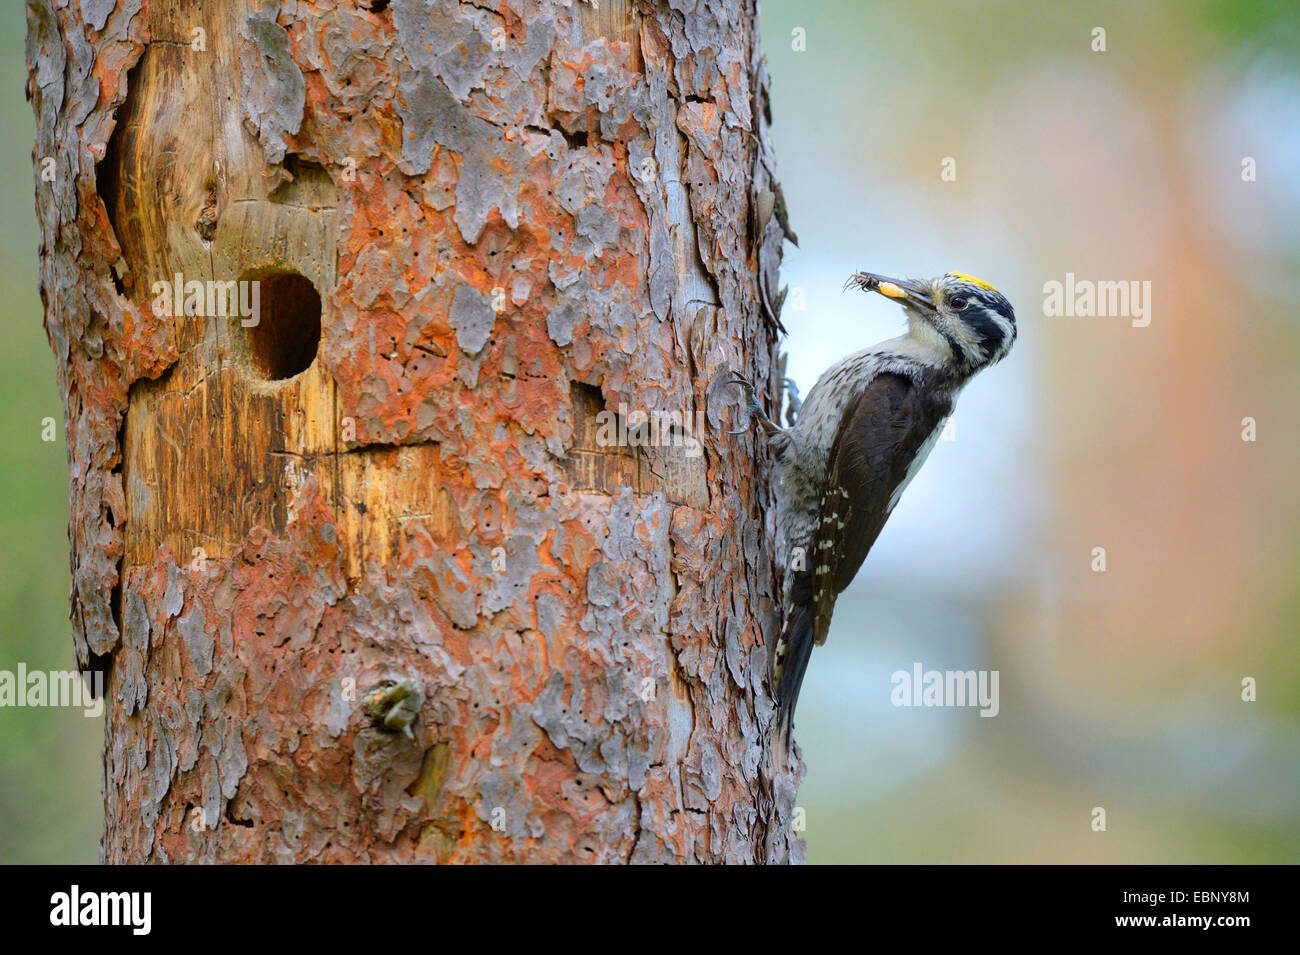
[862, 434]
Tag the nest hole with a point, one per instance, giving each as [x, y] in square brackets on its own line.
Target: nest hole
[284, 341]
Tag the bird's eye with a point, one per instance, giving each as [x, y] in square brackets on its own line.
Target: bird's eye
[957, 303]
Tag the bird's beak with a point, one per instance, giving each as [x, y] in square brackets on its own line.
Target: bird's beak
[904, 291]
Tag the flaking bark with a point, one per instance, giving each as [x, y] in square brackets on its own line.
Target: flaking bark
[516, 216]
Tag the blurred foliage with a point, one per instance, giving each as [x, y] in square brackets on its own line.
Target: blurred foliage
[50, 802]
[1255, 25]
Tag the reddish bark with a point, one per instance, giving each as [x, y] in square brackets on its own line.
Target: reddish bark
[515, 215]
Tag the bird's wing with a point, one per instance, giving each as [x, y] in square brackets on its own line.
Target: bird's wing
[883, 438]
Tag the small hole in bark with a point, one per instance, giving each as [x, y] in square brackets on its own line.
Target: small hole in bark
[576, 139]
[375, 6]
[283, 343]
[235, 820]
[101, 663]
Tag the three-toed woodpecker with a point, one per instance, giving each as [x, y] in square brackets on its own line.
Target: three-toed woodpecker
[861, 436]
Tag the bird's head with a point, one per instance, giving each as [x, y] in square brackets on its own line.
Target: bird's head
[969, 319]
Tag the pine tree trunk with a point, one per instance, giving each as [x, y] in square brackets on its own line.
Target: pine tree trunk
[386, 575]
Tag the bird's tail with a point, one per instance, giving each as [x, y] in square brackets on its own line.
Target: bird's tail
[792, 664]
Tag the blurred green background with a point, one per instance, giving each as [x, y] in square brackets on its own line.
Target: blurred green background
[1118, 689]
[50, 770]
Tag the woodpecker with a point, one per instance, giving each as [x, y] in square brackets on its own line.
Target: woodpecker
[860, 437]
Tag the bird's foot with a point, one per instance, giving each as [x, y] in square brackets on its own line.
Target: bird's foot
[752, 407]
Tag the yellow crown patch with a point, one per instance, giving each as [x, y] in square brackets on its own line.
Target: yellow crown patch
[972, 280]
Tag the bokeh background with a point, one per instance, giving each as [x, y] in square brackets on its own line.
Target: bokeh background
[1119, 689]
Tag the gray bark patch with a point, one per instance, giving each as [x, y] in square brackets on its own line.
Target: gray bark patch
[174, 598]
[133, 692]
[96, 12]
[198, 643]
[559, 324]
[473, 317]
[490, 176]
[274, 91]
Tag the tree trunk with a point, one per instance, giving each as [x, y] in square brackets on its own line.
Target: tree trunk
[376, 567]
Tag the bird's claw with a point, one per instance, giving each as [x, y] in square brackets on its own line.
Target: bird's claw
[746, 385]
[752, 406]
